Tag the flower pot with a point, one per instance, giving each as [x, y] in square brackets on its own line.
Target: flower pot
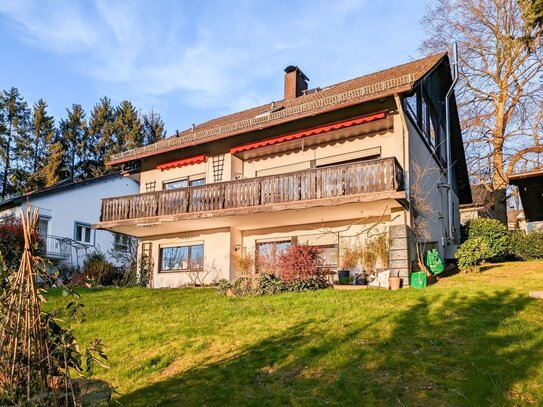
[394, 283]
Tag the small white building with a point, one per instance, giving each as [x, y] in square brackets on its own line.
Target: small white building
[66, 212]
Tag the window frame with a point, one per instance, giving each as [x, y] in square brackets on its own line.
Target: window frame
[92, 233]
[189, 247]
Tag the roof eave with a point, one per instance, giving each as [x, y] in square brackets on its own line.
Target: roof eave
[139, 156]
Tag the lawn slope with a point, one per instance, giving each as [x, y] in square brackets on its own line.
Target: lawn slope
[472, 340]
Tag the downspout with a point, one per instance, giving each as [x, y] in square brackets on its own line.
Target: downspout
[450, 235]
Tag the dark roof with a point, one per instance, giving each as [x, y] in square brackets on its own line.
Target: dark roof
[387, 82]
[530, 187]
[59, 186]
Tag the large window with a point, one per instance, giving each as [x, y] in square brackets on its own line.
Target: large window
[424, 116]
[83, 233]
[182, 258]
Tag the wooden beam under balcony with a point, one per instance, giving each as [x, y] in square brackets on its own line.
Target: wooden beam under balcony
[335, 185]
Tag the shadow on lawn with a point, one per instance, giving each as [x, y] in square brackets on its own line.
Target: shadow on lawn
[466, 351]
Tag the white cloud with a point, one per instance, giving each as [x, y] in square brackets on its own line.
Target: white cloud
[59, 28]
[220, 56]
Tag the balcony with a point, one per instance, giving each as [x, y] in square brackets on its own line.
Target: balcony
[57, 247]
[355, 182]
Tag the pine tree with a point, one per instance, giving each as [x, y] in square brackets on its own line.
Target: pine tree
[128, 127]
[14, 114]
[32, 149]
[56, 168]
[153, 128]
[101, 135]
[74, 133]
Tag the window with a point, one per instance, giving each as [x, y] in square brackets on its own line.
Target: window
[422, 113]
[83, 233]
[196, 182]
[150, 186]
[180, 183]
[185, 182]
[329, 255]
[182, 258]
[121, 242]
[43, 226]
[267, 254]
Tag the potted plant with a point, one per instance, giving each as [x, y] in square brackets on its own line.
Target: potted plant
[350, 257]
[369, 257]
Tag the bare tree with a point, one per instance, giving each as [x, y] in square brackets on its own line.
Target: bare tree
[499, 93]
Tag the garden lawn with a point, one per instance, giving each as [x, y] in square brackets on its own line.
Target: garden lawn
[471, 339]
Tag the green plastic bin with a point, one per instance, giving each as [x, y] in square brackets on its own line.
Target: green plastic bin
[418, 279]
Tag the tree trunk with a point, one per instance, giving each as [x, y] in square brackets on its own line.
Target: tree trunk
[6, 169]
[499, 182]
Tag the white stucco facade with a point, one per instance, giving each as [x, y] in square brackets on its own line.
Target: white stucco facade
[64, 209]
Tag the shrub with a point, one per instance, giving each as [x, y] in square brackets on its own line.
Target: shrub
[527, 246]
[471, 253]
[351, 256]
[493, 233]
[100, 271]
[299, 262]
[12, 242]
[295, 269]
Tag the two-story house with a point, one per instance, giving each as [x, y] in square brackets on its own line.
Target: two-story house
[67, 211]
[319, 166]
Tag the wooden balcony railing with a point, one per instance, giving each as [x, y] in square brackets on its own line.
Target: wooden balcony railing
[340, 180]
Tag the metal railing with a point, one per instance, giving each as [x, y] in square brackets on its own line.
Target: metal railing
[57, 247]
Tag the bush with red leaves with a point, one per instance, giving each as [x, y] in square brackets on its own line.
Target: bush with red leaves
[12, 242]
[299, 262]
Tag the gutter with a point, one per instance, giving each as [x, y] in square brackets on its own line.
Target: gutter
[449, 237]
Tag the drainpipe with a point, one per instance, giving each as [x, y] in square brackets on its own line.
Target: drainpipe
[450, 235]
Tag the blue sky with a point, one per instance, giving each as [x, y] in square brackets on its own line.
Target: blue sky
[195, 60]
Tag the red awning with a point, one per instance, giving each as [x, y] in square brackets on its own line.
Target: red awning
[181, 163]
[309, 132]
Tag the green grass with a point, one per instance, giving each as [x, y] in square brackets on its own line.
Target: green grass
[474, 340]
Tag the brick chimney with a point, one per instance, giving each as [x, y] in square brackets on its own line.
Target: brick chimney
[295, 82]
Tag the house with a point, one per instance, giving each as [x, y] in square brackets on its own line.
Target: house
[530, 187]
[325, 166]
[482, 205]
[67, 211]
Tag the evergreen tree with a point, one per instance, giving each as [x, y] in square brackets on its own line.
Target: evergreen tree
[56, 167]
[32, 149]
[128, 127]
[101, 135]
[153, 128]
[14, 114]
[74, 134]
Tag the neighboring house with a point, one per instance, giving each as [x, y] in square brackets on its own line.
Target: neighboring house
[530, 187]
[67, 211]
[482, 205]
[325, 166]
